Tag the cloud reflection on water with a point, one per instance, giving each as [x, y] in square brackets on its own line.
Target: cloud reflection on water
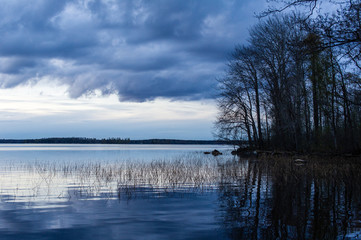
[193, 197]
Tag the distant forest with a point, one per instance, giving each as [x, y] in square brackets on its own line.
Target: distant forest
[77, 140]
[296, 84]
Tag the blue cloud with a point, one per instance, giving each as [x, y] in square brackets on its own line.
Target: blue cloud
[139, 50]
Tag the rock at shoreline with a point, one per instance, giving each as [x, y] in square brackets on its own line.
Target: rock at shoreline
[215, 152]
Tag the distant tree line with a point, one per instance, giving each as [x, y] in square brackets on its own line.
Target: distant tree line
[79, 140]
[296, 85]
[70, 140]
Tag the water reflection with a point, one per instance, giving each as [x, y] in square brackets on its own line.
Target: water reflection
[85, 153]
[190, 196]
[164, 217]
[278, 199]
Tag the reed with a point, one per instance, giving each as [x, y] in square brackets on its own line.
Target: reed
[188, 173]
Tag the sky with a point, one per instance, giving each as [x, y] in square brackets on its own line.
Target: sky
[116, 68]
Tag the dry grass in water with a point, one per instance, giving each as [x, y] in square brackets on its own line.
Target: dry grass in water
[189, 173]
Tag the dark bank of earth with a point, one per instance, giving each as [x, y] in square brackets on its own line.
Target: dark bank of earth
[247, 152]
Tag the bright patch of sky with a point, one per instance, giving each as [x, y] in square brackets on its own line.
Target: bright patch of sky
[44, 109]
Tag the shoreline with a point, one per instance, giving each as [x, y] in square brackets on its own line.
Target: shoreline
[79, 140]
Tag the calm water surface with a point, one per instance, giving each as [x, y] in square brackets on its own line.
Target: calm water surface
[173, 191]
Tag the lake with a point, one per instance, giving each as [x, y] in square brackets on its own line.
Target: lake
[76, 191]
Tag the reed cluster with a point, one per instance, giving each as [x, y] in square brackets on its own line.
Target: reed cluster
[188, 173]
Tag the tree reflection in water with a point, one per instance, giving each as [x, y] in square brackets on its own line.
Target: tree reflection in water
[278, 199]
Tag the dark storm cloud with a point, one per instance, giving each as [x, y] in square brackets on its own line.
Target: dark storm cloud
[139, 50]
[16, 65]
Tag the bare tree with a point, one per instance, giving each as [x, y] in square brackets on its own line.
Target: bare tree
[310, 99]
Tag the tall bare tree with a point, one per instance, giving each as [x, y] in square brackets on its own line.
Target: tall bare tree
[309, 93]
